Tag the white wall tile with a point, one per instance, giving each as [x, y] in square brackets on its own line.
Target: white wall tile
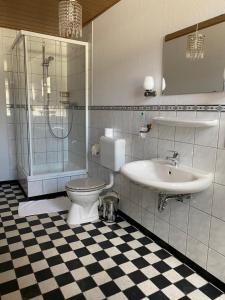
[134, 212]
[161, 229]
[197, 251]
[218, 208]
[203, 200]
[127, 118]
[179, 213]
[138, 147]
[178, 239]
[220, 167]
[217, 234]
[52, 157]
[204, 158]
[11, 131]
[39, 158]
[124, 204]
[135, 193]
[49, 186]
[202, 134]
[61, 182]
[185, 134]
[221, 142]
[150, 148]
[39, 145]
[35, 188]
[149, 200]
[147, 219]
[216, 264]
[199, 224]
[125, 187]
[166, 132]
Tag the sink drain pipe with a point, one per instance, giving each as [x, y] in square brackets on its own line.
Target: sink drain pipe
[163, 199]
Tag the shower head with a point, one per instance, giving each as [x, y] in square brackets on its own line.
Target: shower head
[46, 61]
[50, 58]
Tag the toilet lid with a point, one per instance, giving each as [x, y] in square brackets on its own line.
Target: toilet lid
[85, 184]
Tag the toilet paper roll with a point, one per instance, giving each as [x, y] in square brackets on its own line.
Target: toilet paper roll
[95, 149]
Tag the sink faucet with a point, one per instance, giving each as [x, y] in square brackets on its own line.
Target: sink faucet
[174, 159]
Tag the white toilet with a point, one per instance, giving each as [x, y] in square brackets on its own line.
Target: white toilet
[84, 193]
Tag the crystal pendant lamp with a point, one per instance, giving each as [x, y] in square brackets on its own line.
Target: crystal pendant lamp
[70, 19]
[195, 45]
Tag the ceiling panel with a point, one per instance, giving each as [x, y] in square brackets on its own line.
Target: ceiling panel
[42, 15]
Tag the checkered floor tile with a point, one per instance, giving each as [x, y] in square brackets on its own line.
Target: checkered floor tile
[42, 257]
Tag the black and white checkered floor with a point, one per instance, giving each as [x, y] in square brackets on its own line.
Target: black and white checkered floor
[41, 257]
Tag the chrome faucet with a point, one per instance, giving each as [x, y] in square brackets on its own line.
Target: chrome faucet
[174, 159]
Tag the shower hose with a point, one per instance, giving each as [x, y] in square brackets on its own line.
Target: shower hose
[49, 122]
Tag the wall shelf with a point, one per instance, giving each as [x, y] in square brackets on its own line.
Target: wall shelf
[184, 123]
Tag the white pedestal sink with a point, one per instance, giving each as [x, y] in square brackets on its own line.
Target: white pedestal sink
[161, 176]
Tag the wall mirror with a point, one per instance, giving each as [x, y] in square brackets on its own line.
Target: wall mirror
[194, 59]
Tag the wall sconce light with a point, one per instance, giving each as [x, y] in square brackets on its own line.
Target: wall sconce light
[149, 86]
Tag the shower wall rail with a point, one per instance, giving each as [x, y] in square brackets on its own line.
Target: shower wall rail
[43, 119]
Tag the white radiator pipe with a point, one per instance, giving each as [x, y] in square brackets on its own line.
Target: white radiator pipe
[111, 181]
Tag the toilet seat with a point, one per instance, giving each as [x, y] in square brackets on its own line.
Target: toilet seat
[85, 185]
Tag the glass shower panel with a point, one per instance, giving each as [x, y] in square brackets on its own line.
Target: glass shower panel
[42, 74]
[56, 83]
[20, 102]
[76, 151]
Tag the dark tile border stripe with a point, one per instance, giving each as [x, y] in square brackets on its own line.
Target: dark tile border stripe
[162, 108]
[9, 182]
[208, 108]
[184, 259]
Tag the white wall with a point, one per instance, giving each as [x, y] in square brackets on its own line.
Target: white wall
[127, 45]
[128, 42]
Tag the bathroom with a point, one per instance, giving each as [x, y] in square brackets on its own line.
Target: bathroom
[159, 247]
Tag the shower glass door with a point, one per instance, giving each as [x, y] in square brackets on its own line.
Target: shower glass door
[56, 85]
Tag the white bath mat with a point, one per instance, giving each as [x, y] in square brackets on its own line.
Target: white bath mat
[46, 206]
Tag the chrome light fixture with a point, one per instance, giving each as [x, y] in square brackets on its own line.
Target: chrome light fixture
[195, 45]
[70, 19]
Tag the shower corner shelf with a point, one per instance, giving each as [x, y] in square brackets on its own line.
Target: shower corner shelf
[184, 123]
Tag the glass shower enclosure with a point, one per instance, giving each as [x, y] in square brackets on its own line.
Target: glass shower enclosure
[50, 87]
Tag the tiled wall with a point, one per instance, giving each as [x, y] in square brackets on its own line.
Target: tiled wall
[196, 227]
